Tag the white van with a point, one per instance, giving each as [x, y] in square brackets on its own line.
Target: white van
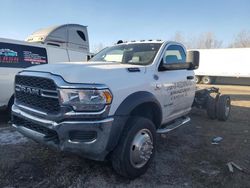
[64, 43]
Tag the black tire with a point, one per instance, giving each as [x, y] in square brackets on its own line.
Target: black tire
[121, 156]
[11, 102]
[211, 107]
[197, 79]
[207, 80]
[223, 107]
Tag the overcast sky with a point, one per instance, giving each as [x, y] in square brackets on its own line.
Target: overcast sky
[111, 20]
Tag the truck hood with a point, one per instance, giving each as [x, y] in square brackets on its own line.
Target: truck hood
[90, 72]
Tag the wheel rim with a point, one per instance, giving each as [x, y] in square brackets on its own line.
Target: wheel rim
[227, 107]
[197, 80]
[206, 80]
[141, 148]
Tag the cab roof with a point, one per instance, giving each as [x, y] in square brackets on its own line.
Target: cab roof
[140, 41]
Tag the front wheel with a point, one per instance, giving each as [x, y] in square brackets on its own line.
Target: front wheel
[136, 148]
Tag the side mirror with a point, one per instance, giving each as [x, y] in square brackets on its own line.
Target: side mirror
[193, 58]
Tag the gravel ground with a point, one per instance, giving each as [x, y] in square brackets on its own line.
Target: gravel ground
[184, 158]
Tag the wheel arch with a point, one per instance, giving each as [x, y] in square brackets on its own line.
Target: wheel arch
[134, 105]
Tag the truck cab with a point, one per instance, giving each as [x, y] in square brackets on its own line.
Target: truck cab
[111, 107]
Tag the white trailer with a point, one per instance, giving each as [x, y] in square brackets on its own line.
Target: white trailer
[64, 43]
[231, 62]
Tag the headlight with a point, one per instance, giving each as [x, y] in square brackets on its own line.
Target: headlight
[85, 100]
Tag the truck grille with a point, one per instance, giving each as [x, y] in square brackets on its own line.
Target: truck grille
[36, 101]
[38, 82]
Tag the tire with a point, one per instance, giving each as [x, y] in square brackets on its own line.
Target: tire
[11, 102]
[207, 80]
[124, 158]
[197, 79]
[211, 107]
[223, 107]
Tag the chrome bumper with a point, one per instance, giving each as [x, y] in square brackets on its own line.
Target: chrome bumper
[94, 149]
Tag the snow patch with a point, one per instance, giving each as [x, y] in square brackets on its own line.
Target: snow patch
[10, 137]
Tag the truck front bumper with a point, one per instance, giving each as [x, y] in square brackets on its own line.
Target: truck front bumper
[86, 138]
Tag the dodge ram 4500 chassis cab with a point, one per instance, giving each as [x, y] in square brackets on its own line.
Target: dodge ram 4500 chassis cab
[113, 106]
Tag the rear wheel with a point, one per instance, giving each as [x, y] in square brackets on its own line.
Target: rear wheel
[207, 80]
[211, 107]
[136, 148]
[223, 107]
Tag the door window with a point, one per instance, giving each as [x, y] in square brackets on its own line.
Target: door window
[174, 54]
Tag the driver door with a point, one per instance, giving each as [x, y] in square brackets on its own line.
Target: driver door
[177, 86]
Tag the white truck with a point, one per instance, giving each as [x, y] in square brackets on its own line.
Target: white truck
[231, 62]
[64, 43]
[113, 106]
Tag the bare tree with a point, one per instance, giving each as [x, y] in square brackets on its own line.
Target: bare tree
[242, 40]
[207, 40]
[179, 37]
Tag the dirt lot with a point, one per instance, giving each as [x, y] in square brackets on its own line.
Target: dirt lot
[184, 158]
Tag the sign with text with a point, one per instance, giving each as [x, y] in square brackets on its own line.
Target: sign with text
[21, 56]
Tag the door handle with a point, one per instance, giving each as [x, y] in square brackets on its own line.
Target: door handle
[190, 77]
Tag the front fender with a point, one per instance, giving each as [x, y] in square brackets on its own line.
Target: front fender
[124, 110]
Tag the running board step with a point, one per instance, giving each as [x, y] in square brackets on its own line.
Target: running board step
[174, 125]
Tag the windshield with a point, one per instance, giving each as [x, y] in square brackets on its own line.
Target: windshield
[137, 53]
